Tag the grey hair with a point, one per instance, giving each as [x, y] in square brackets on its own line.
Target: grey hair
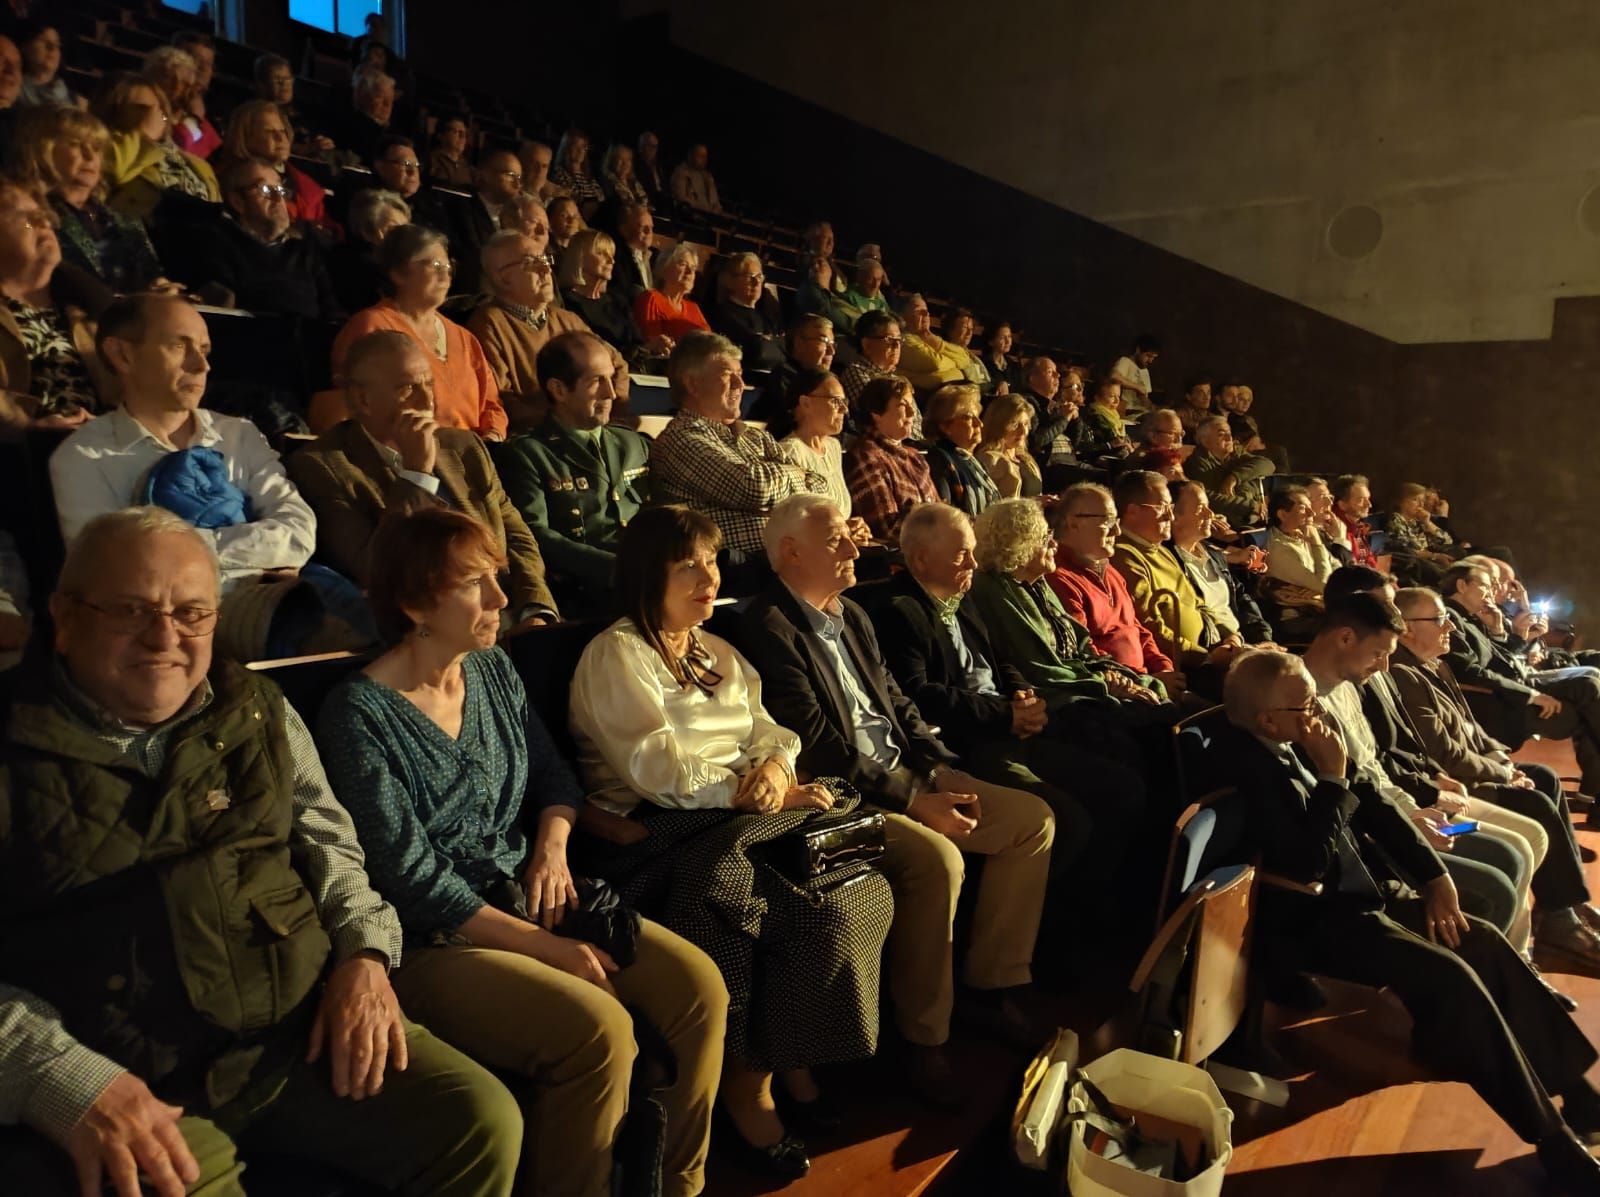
[945, 402]
[725, 277]
[1068, 500]
[1009, 532]
[693, 354]
[1412, 598]
[501, 237]
[667, 256]
[169, 59]
[367, 206]
[368, 83]
[786, 519]
[1148, 421]
[924, 522]
[87, 554]
[1210, 422]
[1251, 679]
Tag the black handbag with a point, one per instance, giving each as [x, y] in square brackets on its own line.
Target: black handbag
[827, 845]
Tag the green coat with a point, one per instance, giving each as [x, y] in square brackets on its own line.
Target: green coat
[576, 503]
[1243, 508]
[1023, 636]
[162, 916]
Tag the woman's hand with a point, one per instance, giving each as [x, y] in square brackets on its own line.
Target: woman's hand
[573, 956]
[762, 789]
[548, 880]
[808, 797]
[63, 422]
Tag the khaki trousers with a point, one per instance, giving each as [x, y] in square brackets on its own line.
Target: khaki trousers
[1529, 840]
[925, 871]
[575, 1043]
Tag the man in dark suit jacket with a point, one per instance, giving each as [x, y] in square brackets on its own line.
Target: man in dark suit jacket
[392, 457]
[939, 650]
[823, 677]
[1480, 1015]
[476, 218]
[634, 250]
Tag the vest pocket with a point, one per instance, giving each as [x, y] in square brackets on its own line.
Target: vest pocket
[294, 949]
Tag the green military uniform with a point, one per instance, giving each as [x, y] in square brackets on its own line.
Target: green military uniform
[577, 491]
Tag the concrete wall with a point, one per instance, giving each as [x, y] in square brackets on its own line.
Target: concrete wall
[1235, 133]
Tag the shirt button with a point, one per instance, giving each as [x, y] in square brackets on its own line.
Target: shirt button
[217, 745]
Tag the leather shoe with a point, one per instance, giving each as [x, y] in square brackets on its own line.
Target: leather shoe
[930, 1077]
[1569, 1164]
[1299, 992]
[994, 1014]
[1567, 939]
[1587, 913]
[1566, 1002]
[1580, 1110]
[785, 1160]
[819, 1115]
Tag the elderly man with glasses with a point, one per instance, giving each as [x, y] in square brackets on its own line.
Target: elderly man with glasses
[267, 261]
[194, 961]
[520, 319]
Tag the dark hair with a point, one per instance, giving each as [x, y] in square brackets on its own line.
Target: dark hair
[1146, 343]
[876, 396]
[1282, 499]
[1354, 579]
[1177, 486]
[386, 143]
[265, 64]
[805, 380]
[1134, 485]
[656, 539]
[1102, 384]
[402, 245]
[1458, 573]
[23, 32]
[1195, 380]
[185, 38]
[126, 318]
[377, 343]
[1345, 483]
[414, 556]
[1364, 614]
[564, 357]
[874, 323]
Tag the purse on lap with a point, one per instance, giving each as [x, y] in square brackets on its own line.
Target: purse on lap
[831, 848]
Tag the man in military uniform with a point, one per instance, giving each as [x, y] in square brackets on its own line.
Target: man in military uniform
[576, 478]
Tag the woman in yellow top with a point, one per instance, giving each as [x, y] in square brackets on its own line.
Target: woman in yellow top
[143, 163]
[927, 360]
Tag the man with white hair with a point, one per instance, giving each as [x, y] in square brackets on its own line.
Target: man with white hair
[824, 676]
[1232, 477]
[1459, 978]
[372, 95]
[192, 959]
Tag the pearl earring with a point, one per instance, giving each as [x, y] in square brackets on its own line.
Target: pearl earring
[422, 631]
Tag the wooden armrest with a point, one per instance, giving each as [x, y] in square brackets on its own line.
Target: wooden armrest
[1314, 889]
[1466, 689]
[614, 829]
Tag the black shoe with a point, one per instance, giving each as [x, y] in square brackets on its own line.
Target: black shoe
[786, 1159]
[1569, 1164]
[994, 1014]
[818, 1116]
[1294, 991]
[930, 1078]
[1569, 1004]
[1580, 1110]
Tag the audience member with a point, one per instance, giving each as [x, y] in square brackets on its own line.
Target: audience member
[39, 44]
[1462, 981]
[671, 734]
[1196, 405]
[584, 277]
[879, 341]
[391, 455]
[818, 293]
[927, 360]
[395, 166]
[1050, 436]
[1004, 448]
[1161, 449]
[577, 478]
[636, 230]
[1412, 531]
[1132, 372]
[262, 1013]
[709, 459]
[1005, 371]
[747, 315]
[372, 96]
[647, 165]
[257, 129]
[692, 184]
[572, 172]
[824, 675]
[666, 309]
[865, 294]
[617, 177]
[526, 215]
[51, 376]
[1093, 591]
[1352, 502]
[1297, 560]
[955, 417]
[145, 163]
[1212, 570]
[536, 159]
[1334, 535]
[808, 345]
[476, 218]
[566, 221]
[464, 807]
[519, 320]
[265, 260]
[958, 329]
[886, 476]
[810, 430]
[1232, 477]
[1101, 432]
[176, 74]
[192, 131]
[11, 80]
[448, 164]
[417, 269]
[354, 265]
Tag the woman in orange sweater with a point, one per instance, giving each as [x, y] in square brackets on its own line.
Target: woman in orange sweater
[416, 266]
[667, 309]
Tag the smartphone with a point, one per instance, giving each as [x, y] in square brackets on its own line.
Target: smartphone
[1541, 607]
[1465, 827]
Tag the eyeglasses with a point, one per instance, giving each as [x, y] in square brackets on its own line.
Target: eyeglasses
[527, 262]
[268, 191]
[1105, 524]
[833, 401]
[1427, 619]
[891, 342]
[514, 175]
[1309, 709]
[1162, 510]
[435, 265]
[825, 342]
[409, 165]
[131, 618]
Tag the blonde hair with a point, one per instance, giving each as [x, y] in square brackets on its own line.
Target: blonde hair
[243, 122]
[1009, 532]
[114, 104]
[31, 156]
[569, 273]
[1000, 417]
[948, 400]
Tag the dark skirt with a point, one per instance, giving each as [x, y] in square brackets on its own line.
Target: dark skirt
[801, 965]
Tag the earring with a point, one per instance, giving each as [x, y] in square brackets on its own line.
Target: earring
[422, 631]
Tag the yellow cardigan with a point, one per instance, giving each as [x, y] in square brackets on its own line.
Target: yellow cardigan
[135, 182]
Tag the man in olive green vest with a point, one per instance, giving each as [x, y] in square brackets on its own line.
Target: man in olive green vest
[192, 961]
[577, 478]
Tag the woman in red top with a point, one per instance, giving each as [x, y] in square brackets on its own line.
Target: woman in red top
[887, 477]
[257, 130]
[667, 309]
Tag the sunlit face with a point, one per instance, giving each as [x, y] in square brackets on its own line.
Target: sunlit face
[813, 345]
[883, 349]
[565, 220]
[587, 403]
[1090, 528]
[120, 652]
[716, 390]
[1151, 517]
[1474, 591]
[1109, 395]
[399, 169]
[1294, 518]
[1042, 560]
[1216, 439]
[677, 276]
[945, 562]
[388, 386]
[166, 370]
[1288, 705]
[821, 411]
[269, 137]
[465, 615]
[896, 421]
[821, 558]
[1358, 502]
[599, 260]
[691, 591]
[964, 429]
[77, 162]
[1361, 657]
[1321, 498]
[1427, 630]
[1191, 514]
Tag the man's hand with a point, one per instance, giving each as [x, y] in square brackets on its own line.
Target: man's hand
[1522, 624]
[1442, 917]
[1521, 780]
[1428, 823]
[1547, 705]
[1223, 653]
[1493, 619]
[1174, 680]
[1028, 714]
[951, 815]
[548, 880]
[808, 797]
[1131, 689]
[359, 1023]
[858, 529]
[1443, 781]
[763, 788]
[129, 1130]
[1322, 744]
[659, 345]
[62, 422]
[416, 439]
[527, 625]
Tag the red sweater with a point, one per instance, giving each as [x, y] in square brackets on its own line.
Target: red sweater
[1101, 603]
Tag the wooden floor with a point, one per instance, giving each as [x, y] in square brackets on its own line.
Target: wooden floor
[1362, 1119]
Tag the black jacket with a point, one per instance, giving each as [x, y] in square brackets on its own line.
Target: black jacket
[1253, 626]
[1477, 660]
[1400, 750]
[470, 228]
[625, 274]
[922, 657]
[288, 278]
[757, 331]
[802, 692]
